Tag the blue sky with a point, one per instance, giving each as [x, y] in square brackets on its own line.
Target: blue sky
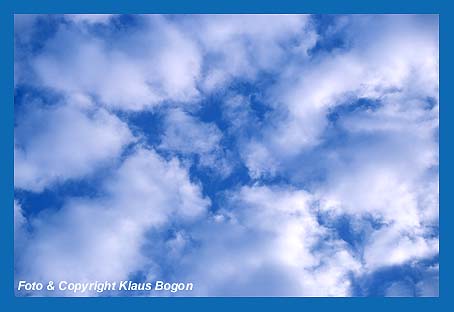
[264, 155]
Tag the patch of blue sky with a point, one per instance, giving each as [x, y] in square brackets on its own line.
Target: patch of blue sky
[118, 28]
[332, 36]
[351, 107]
[25, 95]
[44, 27]
[378, 283]
[352, 230]
[53, 198]
[430, 103]
[148, 125]
[215, 187]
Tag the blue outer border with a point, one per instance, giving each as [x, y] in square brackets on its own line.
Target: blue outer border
[8, 8]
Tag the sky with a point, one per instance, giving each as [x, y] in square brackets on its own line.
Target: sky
[252, 155]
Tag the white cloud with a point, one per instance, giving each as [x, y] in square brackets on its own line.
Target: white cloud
[389, 173]
[56, 143]
[186, 135]
[267, 241]
[143, 195]
[146, 67]
[90, 18]
[399, 247]
[395, 55]
[386, 168]
[143, 70]
[259, 160]
[19, 219]
[243, 45]
[20, 227]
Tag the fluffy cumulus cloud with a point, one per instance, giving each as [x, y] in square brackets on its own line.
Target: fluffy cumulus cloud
[140, 70]
[252, 155]
[63, 141]
[142, 195]
[399, 68]
[260, 43]
[269, 242]
[187, 136]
